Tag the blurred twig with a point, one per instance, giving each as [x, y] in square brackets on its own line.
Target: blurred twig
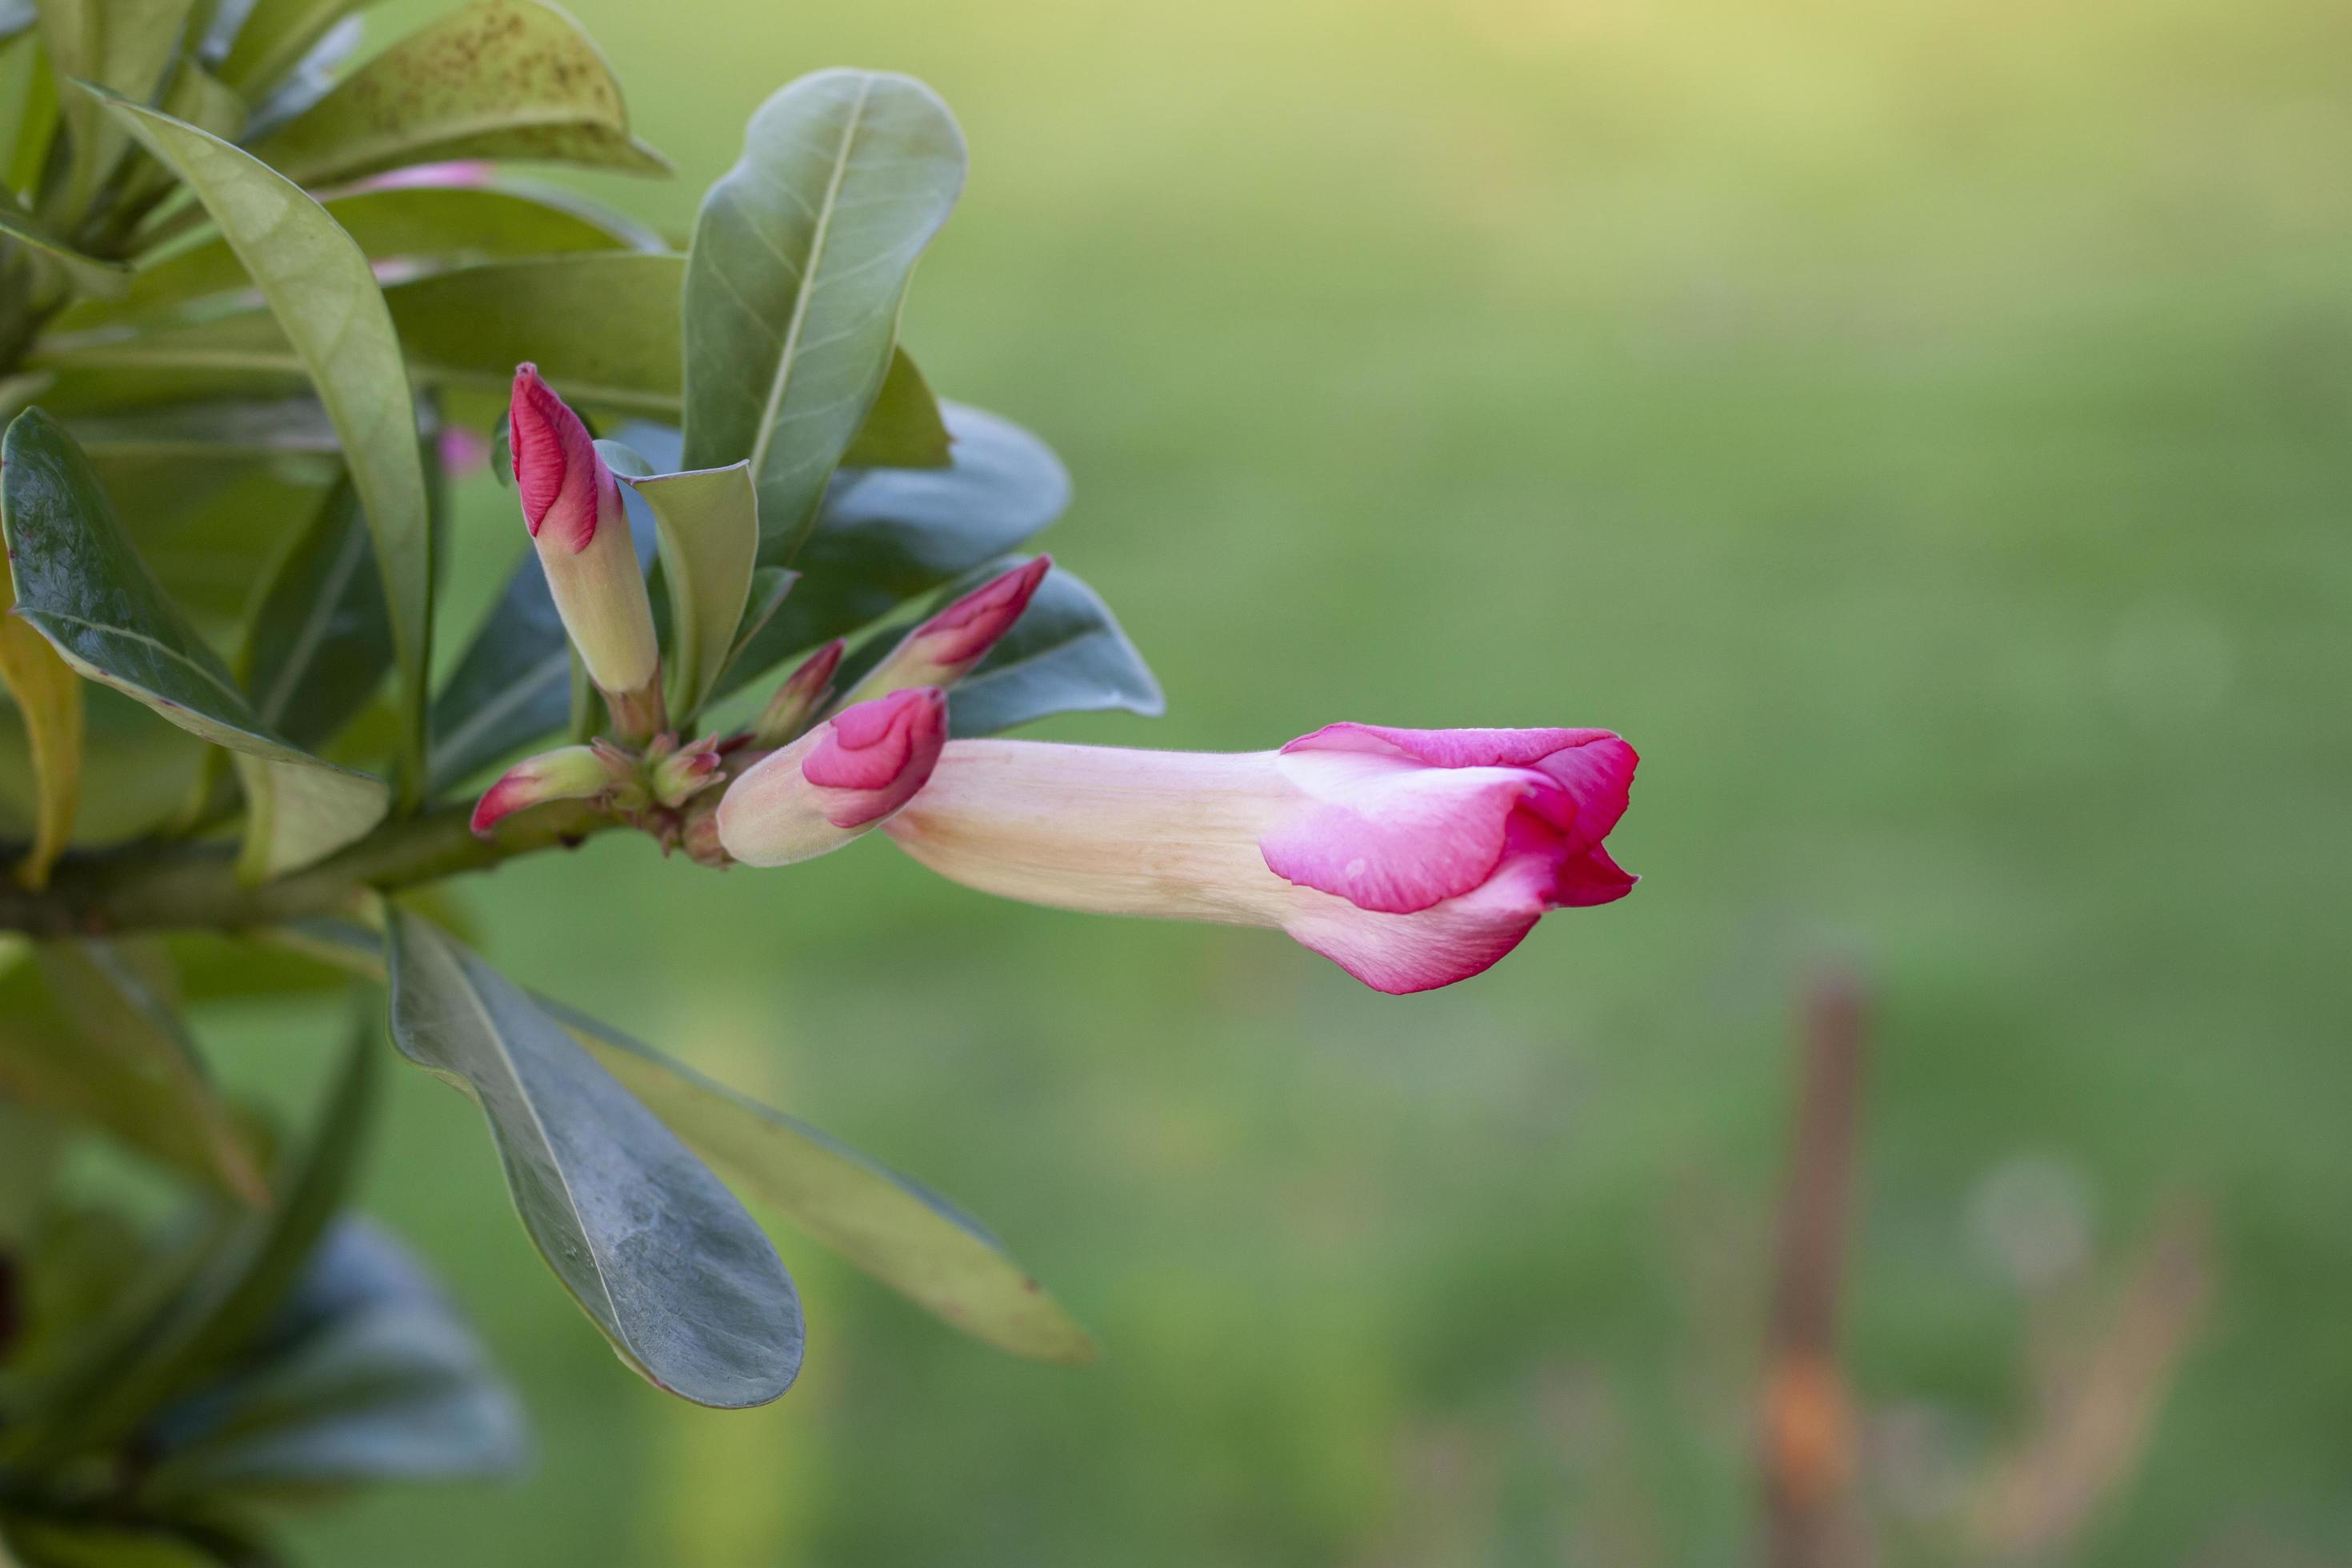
[1805, 1441]
[2100, 1409]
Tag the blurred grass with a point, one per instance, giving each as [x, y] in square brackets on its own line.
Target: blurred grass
[1922, 429]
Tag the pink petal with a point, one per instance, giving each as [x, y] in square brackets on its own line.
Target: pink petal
[1393, 837]
[878, 755]
[556, 468]
[1401, 954]
[1594, 766]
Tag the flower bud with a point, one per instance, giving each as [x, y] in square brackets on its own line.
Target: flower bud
[572, 504]
[800, 697]
[841, 779]
[680, 774]
[570, 773]
[942, 650]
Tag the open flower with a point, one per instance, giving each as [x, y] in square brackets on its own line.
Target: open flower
[572, 504]
[842, 779]
[1411, 858]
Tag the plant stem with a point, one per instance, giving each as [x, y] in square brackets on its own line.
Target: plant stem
[195, 887]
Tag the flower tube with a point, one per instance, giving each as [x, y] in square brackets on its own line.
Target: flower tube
[1411, 858]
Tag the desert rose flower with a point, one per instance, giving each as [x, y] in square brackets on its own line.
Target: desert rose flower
[842, 779]
[1411, 858]
[572, 504]
[942, 650]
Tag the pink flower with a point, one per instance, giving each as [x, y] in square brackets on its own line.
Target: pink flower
[463, 173]
[572, 504]
[1411, 858]
[842, 779]
[942, 650]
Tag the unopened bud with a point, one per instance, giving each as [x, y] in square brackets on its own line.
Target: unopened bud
[570, 773]
[942, 650]
[681, 774]
[838, 781]
[800, 697]
[572, 504]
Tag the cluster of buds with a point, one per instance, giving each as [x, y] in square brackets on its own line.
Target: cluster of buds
[815, 769]
[1411, 858]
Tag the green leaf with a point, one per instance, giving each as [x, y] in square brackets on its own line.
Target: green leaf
[120, 46]
[770, 586]
[802, 255]
[319, 646]
[80, 584]
[499, 79]
[657, 1251]
[136, 775]
[80, 1047]
[120, 1002]
[57, 1543]
[707, 522]
[89, 274]
[48, 695]
[1064, 655]
[904, 1235]
[904, 429]
[367, 1375]
[183, 433]
[319, 286]
[444, 225]
[888, 535]
[275, 36]
[150, 1356]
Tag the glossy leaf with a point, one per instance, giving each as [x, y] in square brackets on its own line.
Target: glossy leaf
[48, 695]
[187, 433]
[802, 255]
[319, 645]
[708, 525]
[444, 224]
[119, 47]
[89, 273]
[324, 297]
[366, 1375]
[100, 1062]
[83, 587]
[124, 1015]
[276, 36]
[888, 535]
[905, 428]
[231, 1287]
[497, 79]
[904, 1235]
[657, 1251]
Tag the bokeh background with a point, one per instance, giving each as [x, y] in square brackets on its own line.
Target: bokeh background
[1926, 430]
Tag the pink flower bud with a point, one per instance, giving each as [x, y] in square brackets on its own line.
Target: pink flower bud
[570, 773]
[800, 696]
[1411, 858]
[680, 775]
[572, 504]
[840, 780]
[942, 650]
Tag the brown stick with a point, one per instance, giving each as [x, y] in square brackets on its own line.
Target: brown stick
[1805, 1443]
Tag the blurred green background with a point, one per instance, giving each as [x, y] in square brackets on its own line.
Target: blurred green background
[1921, 428]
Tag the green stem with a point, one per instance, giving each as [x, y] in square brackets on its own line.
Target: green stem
[195, 887]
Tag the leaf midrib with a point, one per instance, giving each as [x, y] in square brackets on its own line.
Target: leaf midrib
[782, 381]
